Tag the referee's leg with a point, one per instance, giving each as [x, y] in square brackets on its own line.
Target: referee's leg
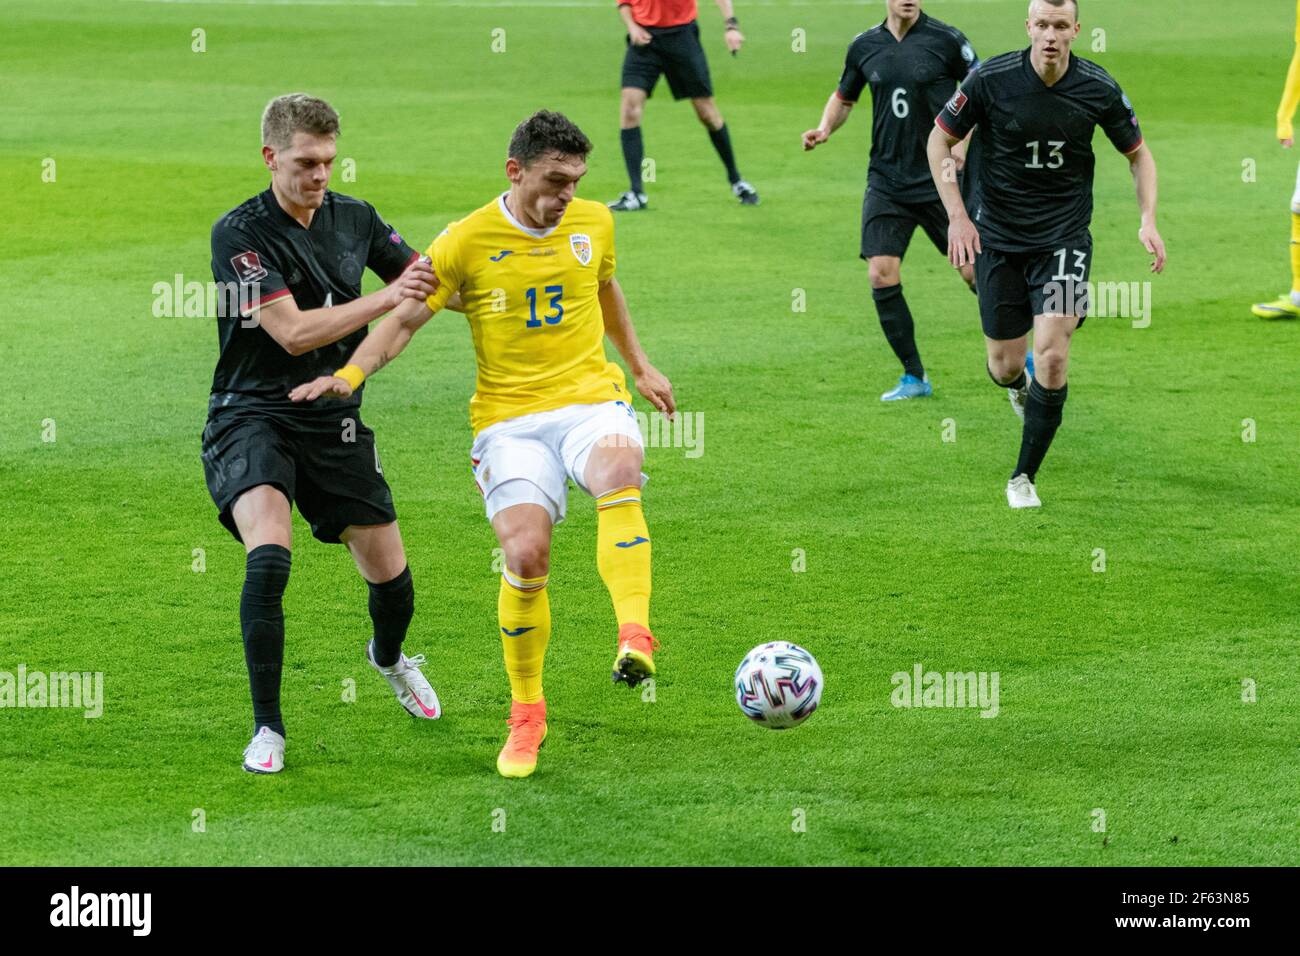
[709, 114]
[631, 108]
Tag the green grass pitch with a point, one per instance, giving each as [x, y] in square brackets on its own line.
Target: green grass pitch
[1121, 691]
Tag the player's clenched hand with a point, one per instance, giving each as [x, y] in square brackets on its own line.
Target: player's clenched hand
[325, 385]
[658, 391]
[417, 282]
[1153, 244]
[1288, 142]
[639, 35]
[814, 138]
[963, 242]
[734, 40]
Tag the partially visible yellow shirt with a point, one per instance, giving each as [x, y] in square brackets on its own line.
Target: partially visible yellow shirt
[1291, 93]
[532, 301]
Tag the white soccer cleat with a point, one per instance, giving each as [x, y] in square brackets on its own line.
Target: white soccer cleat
[1021, 493]
[746, 193]
[265, 752]
[1019, 398]
[629, 202]
[409, 684]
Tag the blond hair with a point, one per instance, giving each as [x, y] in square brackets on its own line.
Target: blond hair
[294, 113]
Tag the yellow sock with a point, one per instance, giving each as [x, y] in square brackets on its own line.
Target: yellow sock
[524, 613]
[1295, 252]
[623, 554]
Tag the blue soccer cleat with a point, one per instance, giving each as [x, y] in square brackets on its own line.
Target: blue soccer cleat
[909, 386]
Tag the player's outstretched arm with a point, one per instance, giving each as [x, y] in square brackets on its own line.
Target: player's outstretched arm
[1143, 166]
[650, 382]
[384, 343]
[299, 332]
[963, 237]
[834, 116]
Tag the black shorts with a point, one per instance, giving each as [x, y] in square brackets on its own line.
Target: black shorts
[1016, 286]
[887, 225]
[327, 463]
[675, 52]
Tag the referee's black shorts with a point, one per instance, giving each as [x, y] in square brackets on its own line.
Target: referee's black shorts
[675, 52]
[326, 462]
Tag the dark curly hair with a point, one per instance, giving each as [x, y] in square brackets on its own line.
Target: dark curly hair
[545, 132]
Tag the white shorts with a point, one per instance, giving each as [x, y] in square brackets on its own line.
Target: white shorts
[1295, 197]
[532, 458]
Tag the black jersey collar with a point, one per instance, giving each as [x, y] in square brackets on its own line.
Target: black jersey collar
[283, 218]
[920, 22]
[1028, 66]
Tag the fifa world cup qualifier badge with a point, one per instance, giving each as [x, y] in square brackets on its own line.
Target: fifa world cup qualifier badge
[580, 243]
[248, 267]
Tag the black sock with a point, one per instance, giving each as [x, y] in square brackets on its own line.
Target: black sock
[1018, 382]
[261, 618]
[896, 320]
[391, 606]
[1042, 418]
[722, 143]
[633, 153]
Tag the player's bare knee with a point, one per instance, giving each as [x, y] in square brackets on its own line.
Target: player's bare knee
[1050, 364]
[528, 555]
[612, 478]
[968, 275]
[1005, 364]
[883, 272]
[262, 516]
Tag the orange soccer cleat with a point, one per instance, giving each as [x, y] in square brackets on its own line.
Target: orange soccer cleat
[635, 661]
[518, 758]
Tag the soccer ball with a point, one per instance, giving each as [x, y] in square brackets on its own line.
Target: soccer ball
[778, 685]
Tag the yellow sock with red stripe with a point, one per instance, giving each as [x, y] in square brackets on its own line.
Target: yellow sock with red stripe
[1295, 254]
[623, 554]
[524, 615]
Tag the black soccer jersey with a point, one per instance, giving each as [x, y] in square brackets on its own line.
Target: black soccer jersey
[1035, 147]
[910, 81]
[268, 255]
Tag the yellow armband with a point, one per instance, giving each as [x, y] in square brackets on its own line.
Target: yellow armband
[353, 375]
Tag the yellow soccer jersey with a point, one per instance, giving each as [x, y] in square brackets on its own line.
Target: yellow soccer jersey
[532, 300]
